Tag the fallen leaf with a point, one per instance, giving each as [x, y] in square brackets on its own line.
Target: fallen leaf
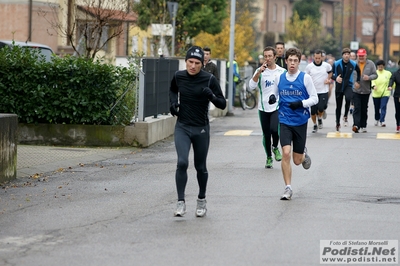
[35, 176]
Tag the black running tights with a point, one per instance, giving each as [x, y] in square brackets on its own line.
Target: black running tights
[348, 94]
[269, 125]
[199, 137]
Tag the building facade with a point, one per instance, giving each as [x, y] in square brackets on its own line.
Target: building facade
[274, 14]
[46, 21]
[364, 22]
[361, 21]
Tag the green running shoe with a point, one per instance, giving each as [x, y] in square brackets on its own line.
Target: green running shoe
[268, 164]
[278, 155]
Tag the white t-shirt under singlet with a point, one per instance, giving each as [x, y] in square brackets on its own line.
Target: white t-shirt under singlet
[266, 85]
[319, 75]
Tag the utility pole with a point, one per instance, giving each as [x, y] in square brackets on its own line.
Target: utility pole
[355, 21]
[231, 53]
[30, 21]
[341, 26]
[386, 36]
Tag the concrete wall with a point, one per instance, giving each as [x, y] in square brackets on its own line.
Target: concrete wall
[150, 131]
[141, 134]
[8, 147]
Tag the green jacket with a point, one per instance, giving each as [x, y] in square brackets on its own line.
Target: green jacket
[381, 84]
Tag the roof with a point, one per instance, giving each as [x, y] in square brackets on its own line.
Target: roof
[111, 14]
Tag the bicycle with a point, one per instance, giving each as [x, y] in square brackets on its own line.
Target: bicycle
[247, 99]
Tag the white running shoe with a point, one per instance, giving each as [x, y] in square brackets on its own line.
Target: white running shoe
[287, 195]
[201, 209]
[315, 129]
[320, 124]
[180, 209]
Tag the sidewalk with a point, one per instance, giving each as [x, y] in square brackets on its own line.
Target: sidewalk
[36, 160]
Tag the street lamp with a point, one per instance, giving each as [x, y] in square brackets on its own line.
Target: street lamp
[173, 9]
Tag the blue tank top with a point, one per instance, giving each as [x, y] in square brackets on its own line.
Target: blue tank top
[291, 92]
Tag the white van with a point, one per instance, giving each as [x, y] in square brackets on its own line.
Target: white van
[44, 49]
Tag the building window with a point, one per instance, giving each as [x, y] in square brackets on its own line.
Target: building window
[135, 47]
[396, 28]
[145, 46]
[274, 12]
[283, 19]
[367, 27]
[324, 19]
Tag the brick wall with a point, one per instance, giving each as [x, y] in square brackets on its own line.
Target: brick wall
[15, 23]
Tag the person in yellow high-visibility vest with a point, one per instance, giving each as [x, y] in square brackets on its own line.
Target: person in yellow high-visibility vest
[236, 78]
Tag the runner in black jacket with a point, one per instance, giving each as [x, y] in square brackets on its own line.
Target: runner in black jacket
[191, 92]
[395, 79]
[343, 75]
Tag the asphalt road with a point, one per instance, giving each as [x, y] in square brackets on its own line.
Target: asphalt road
[119, 211]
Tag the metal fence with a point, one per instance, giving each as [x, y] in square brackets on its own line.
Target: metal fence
[124, 110]
[147, 95]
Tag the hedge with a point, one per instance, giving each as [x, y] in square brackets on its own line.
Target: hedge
[68, 90]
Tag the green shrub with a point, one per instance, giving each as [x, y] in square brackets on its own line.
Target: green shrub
[68, 90]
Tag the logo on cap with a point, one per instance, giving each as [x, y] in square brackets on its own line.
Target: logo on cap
[361, 52]
[196, 53]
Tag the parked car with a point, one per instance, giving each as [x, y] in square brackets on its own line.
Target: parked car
[43, 49]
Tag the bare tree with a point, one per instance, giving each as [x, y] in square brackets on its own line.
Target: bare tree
[377, 11]
[90, 25]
